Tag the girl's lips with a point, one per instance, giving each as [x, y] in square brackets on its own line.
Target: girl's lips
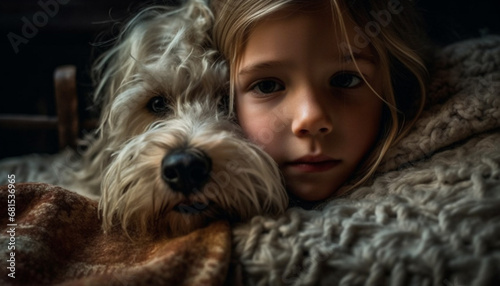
[314, 164]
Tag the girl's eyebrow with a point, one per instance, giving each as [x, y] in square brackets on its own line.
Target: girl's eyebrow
[368, 57]
[262, 66]
[271, 64]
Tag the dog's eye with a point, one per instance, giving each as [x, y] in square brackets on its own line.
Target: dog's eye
[158, 105]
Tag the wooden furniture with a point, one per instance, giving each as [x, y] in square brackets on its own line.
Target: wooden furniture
[66, 122]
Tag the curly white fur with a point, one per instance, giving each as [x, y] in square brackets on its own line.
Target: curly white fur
[161, 87]
[243, 182]
[161, 52]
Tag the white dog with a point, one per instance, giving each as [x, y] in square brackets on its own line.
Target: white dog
[167, 157]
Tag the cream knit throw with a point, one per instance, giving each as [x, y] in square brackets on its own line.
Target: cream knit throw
[430, 217]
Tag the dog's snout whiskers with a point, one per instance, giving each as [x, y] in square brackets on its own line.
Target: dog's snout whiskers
[186, 170]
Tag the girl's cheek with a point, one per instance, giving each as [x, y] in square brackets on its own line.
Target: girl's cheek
[258, 130]
[263, 124]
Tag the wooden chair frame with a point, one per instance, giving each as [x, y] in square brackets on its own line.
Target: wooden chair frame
[66, 122]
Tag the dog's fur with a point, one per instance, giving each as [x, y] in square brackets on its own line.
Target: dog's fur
[161, 87]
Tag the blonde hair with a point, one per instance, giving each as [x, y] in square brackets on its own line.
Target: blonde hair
[398, 42]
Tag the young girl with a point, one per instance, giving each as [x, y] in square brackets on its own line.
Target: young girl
[325, 87]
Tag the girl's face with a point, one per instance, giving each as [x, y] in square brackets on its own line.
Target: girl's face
[300, 96]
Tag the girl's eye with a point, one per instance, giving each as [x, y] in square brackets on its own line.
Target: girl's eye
[345, 80]
[267, 86]
[158, 106]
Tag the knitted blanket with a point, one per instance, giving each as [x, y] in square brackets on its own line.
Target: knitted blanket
[431, 216]
[55, 238]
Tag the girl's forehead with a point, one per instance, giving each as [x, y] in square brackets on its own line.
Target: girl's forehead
[290, 27]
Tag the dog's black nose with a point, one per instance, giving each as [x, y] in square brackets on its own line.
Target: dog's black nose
[186, 170]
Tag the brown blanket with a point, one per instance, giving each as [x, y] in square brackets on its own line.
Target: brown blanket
[54, 237]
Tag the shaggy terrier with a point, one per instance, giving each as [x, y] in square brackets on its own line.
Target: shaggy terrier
[168, 157]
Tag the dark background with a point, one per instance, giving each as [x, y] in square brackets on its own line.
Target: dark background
[75, 33]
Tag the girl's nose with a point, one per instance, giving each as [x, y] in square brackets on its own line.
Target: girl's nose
[311, 117]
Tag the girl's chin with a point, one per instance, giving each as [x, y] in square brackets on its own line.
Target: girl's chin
[313, 186]
[311, 192]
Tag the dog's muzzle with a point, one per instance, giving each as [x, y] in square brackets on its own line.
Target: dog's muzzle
[186, 170]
